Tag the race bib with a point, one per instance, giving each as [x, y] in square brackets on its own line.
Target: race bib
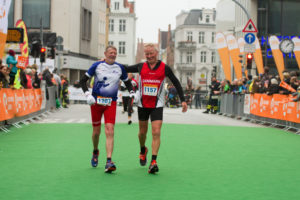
[150, 90]
[104, 101]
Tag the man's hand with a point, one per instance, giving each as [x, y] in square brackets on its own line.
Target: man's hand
[89, 98]
[184, 106]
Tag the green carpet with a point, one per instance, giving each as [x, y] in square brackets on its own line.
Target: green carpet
[52, 161]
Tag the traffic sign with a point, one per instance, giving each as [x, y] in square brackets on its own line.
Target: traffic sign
[249, 48]
[249, 38]
[250, 27]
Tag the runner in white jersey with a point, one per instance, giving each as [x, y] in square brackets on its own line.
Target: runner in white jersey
[107, 75]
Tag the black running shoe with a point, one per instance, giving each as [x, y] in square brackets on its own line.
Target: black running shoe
[143, 157]
[153, 168]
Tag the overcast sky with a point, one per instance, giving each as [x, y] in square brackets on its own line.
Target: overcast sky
[155, 14]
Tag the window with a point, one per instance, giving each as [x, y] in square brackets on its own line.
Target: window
[122, 25]
[117, 4]
[35, 10]
[111, 25]
[121, 48]
[110, 43]
[180, 58]
[201, 37]
[203, 57]
[213, 36]
[207, 19]
[213, 57]
[190, 36]
[86, 26]
[189, 57]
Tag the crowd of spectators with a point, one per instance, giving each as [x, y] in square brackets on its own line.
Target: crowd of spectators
[28, 78]
[264, 83]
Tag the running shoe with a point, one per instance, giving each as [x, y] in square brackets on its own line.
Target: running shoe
[110, 167]
[143, 157]
[94, 160]
[153, 168]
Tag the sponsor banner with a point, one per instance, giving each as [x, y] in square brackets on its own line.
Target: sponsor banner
[297, 49]
[224, 54]
[234, 52]
[22, 62]
[275, 106]
[24, 46]
[4, 9]
[247, 101]
[17, 103]
[277, 54]
[258, 57]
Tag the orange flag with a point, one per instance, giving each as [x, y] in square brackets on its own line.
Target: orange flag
[224, 54]
[297, 49]
[24, 46]
[286, 86]
[4, 9]
[234, 52]
[258, 57]
[278, 57]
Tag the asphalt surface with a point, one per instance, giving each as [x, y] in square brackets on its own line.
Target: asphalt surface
[80, 113]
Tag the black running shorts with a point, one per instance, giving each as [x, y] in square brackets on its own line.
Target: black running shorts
[154, 113]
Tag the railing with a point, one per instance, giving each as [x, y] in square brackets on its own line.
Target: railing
[233, 105]
[186, 45]
[48, 104]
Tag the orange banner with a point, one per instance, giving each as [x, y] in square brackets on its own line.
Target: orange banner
[258, 57]
[224, 55]
[277, 54]
[276, 107]
[234, 52]
[24, 46]
[297, 49]
[17, 103]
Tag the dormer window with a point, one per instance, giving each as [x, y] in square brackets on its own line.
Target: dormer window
[207, 19]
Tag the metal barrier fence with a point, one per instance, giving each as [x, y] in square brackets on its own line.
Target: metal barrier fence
[232, 105]
[17, 121]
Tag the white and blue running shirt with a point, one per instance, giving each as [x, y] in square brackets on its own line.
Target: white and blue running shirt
[106, 79]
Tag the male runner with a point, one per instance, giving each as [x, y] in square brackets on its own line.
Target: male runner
[151, 101]
[107, 75]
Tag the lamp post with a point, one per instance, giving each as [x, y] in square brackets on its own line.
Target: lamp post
[243, 8]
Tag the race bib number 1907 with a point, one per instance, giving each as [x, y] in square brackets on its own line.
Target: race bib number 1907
[104, 101]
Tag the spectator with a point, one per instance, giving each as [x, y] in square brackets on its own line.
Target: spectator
[197, 97]
[254, 86]
[12, 64]
[294, 82]
[274, 87]
[4, 78]
[28, 74]
[64, 91]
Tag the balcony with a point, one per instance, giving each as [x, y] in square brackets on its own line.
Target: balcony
[186, 67]
[186, 45]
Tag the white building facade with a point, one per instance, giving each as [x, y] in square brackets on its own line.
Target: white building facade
[122, 30]
[195, 48]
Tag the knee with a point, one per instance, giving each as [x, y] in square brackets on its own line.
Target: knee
[156, 133]
[109, 131]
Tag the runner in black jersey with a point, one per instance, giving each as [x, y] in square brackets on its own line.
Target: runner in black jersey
[151, 96]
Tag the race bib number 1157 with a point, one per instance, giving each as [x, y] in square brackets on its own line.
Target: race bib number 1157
[150, 90]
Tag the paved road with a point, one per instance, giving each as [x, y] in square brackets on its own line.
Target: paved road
[79, 113]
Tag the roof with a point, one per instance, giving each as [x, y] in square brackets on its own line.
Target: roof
[194, 15]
